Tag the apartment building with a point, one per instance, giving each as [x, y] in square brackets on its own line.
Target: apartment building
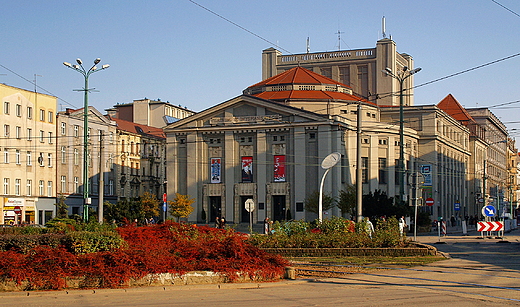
[70, 158]
[28, 146]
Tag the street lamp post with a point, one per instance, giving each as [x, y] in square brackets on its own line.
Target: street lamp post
[86, 73]
[401, 76]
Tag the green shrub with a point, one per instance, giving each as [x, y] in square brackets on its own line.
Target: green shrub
[335, 232]
[25, 243]
[83, 242]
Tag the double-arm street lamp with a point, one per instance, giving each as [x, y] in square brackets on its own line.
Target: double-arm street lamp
[401, 76]
[86, 73]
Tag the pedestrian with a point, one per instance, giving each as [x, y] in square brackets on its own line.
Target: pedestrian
[402, 225]
[222, 223]
[369, 227]
[217, 222]
[267, 226]
[453, 221]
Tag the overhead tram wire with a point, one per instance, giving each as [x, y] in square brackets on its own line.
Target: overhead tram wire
[239, 26]
[503, 6]
[41, 88]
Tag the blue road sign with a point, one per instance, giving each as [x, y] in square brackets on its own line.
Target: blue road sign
[457, 206]
[489, 211]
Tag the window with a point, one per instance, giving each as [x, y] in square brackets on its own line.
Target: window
[383, 171]
[63, 128]
[41, 161]
[111, 187]
[6, 156]
[29, 112]
[18, 110]
[7, 129]
[49, 188]
[29, 187]
[312, 136]
[18, 132]
[49, 159]
[51, 117]
[42, 115]
[364, 169]
[76, 131]
[17, 184]
[40, 188]
[63, 184]
[63, 155]
[17, 157]
[42, 136]
[6, 107]
[76, 156]
[6, 186]
[29, 134]
[29, 158]
[50, 138]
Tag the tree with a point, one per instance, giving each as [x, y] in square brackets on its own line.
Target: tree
[149, 205]
[347, 200]
[312, 202]
[62, 208]
[379, 204]
[181, 206]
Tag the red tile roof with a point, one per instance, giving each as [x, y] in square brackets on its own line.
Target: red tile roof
[297, 75]
[138, 129]
[451, 106]
[308, 95]
[302, 76]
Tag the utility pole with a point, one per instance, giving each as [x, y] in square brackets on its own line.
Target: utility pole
[101, 179]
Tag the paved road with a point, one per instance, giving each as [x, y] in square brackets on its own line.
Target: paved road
[480, 272]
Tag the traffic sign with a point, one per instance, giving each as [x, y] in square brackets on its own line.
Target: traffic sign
[250, 205]
[480, 200]
[490, 226]
[17, 210]
[457, 206]
[429, 201]
[488, 211]
[164, 197]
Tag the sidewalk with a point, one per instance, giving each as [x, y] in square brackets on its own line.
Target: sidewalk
[455, 234]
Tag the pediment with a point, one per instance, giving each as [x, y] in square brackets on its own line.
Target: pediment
[246, 110]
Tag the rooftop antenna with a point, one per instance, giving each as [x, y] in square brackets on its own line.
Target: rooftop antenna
[308, 45]
[339, 39]
[383, 25]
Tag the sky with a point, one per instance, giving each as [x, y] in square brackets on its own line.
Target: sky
[179, 51]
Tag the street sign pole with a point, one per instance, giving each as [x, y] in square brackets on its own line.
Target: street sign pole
[250, 207]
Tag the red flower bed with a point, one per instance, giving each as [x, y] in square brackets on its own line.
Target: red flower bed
[165, 248]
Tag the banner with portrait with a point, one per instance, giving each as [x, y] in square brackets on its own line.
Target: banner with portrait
[247, 169]
[279, 168]
[216, 170]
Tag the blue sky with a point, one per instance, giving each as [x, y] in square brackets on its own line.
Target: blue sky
[178, 52]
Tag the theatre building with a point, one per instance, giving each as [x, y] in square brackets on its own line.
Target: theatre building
[268, 144]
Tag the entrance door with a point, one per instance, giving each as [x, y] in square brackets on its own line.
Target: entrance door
[279, 209]
[215, 207]
[245, 215]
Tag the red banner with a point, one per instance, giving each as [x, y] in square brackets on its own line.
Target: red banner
[247, 169]
[279, 168]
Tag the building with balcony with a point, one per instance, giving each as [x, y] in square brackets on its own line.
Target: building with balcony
[139, 159]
